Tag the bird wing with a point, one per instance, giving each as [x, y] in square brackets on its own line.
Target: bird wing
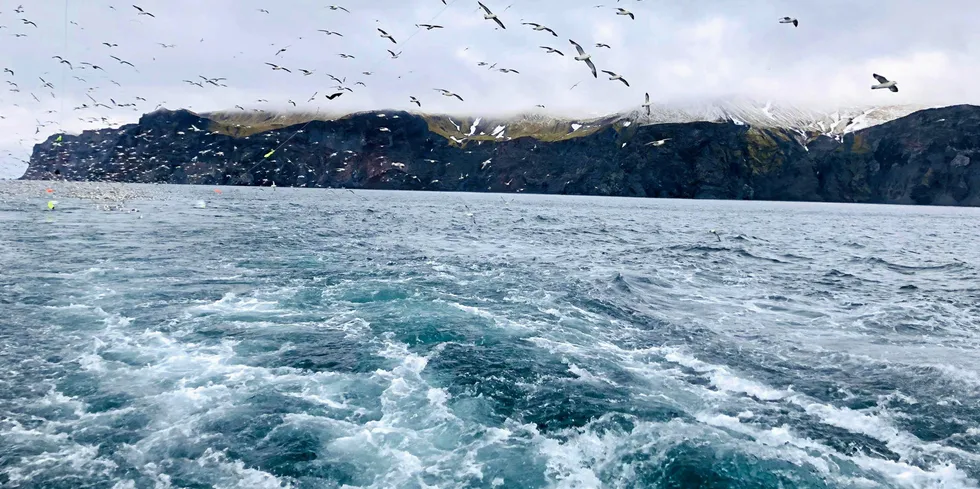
[624, 82]
[631, 16]
[608, 72]
[501, 24]
[457, 96]
[893, 88]
[880, 78]
[796, 23]
[553, 33]
[648, 110]
[577, 48]
[484, 7]
[382, 31]
[646, 99]
[592, 67]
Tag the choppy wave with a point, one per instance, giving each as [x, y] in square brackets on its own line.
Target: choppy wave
[299, 340]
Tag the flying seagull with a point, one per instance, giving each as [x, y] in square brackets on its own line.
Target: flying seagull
[613, 76]
[345, 56]
[305, 72]
[281, 50]
[428, 27]
[28, 22]
[884, 83]
[448, 93]
[330, 33]
[414, 100]
[490, 15]
[787, 20]
[646, 102]
[8, 70]
[331, 97]
[539, 27]
[294, 103]
[552, 50]
[394, 54]
[622, 11]
[387, 36]
[582, 56]
[276, 67]
[143, 12]
[122, 61]
[111, 45]
[602, 45]
[337, 7]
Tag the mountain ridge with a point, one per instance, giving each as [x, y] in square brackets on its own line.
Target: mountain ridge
[927, 157]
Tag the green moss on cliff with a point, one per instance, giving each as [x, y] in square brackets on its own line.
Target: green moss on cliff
[763, 151]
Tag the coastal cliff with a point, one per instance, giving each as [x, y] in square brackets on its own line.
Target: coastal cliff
[928, 157]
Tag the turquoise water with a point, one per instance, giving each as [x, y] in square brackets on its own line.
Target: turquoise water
[323, 338]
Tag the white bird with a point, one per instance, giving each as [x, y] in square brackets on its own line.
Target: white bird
[582, 56]
[659, 142]
[539, 27]
[387, 36]
[788, 20]
[448, 93]
[552, 50]
[622, 11]
[414, 100]
[884, 83]
[646, 102]
[613, 76]
[490, 15]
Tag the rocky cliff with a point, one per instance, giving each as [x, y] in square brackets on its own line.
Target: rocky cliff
[928, 157]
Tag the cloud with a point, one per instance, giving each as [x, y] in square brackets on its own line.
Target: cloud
[675, 50]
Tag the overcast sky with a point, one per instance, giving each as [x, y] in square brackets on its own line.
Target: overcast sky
[677, 50]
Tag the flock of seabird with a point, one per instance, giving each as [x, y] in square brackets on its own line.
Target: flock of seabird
[78, 67]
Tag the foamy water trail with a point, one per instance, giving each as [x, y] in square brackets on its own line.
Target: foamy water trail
[380, 340]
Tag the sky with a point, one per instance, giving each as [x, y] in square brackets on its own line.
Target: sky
[677, 50]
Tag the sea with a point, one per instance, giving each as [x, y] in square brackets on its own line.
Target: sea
[231, 337]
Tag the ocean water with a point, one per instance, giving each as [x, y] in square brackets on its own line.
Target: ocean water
[325, 338]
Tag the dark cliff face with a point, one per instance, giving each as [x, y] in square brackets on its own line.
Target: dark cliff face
[929, 157]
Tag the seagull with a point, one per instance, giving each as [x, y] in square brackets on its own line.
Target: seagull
[46, 83]
[263, 10]
[490, 15]
[276, 67]
[393, 54]
[613, 76]
[539, 27]
[345, 56]
[622, 11]
[507, 70]
[143, 12]
[552, 50]
[338, 80]
[646, 102]
[8, 70]
[448, 93]
[111, 45]
[659, 142]
[601, 45]
[884, 83]
[330, 33]
[414, 100]
[331, 97]
[428, 27]
[122, 61]
[28, 22]
[313, 97]
[294, 103]
[787, 20]
[281, 50]
[582, 56]
[194, 83]
[387, 36]
[66, 62]
[167, 45]
[336, 7]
